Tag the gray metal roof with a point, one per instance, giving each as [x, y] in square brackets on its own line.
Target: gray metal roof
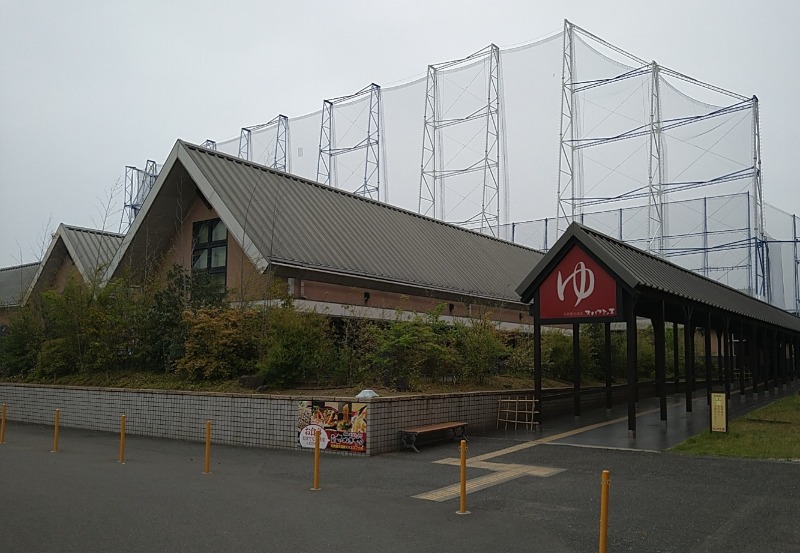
[14, 281]
[641, 271]
[90, 250]
[286, 221]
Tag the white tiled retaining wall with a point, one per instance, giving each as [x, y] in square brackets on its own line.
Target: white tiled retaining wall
[248, 420]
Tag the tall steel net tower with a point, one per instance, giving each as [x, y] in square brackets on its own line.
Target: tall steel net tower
[632, 111]
[138, 183]
[329, 150]
[280, 159]
[461, 140]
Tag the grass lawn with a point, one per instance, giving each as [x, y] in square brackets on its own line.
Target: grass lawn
[772, 432]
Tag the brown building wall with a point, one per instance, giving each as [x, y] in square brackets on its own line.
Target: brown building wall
[66, 271]
[352, 295]
[246, 283]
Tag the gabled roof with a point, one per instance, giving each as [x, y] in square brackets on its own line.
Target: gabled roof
[14, 282]
[291, 223]
[641, 272]
[89, 249]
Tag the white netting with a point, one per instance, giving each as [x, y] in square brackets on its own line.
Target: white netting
[706, 156]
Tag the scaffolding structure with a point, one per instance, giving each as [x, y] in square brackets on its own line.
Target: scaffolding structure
[138, 183]
[646, 154]
[209, 144]
[280, 160]
[371, 144]
[436, 170]
[572, 197]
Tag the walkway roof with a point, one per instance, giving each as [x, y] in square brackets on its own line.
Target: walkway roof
[645, 275]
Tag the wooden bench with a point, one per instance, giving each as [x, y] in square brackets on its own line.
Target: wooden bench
[409, 435]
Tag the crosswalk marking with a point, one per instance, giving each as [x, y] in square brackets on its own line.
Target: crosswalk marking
[503, 472]
[473, 485]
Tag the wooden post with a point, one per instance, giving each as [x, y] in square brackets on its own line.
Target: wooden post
[676, 356]
[462, 505]
[688, 342]
[537, 361]
[55, 431]
[754, 355]
[3, 425]
[707, 359]
[605, 486]
[576, 370]
[632, 361]
[207, 464]
[316, 461]
[659, 337]
[609, 375]
[122, 439]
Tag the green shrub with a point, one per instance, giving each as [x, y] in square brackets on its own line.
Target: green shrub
[20, 345]
[520, 360]
[296, 346]
[220, 343]
[164, 324]
[407, 350]
[481, 348]
[55, 358]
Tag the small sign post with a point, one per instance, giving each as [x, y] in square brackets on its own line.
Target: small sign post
[719, 412]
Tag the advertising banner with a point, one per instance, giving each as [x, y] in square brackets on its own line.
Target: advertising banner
[342, 425]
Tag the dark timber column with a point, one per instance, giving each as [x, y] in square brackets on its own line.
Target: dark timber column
[773, 374]
[675, 355]
[754, 357]
[609, 392]
[537, 359]
[659, 338]
[739, 359]
[779, 355]
[707, 358]
[720, 357]
[688, 342]
[576, 370]
[727, 356]
[630, 331]
[769, 343]
[784, 365]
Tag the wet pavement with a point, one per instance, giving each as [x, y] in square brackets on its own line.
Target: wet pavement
[536, 491]
[609, 429]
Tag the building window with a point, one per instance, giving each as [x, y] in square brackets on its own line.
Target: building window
[210, 251]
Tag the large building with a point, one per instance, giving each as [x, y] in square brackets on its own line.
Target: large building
[249, 227]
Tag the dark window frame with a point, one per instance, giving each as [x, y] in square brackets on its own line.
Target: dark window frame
[205, 245]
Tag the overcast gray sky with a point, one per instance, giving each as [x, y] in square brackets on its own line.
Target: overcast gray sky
[87, 87]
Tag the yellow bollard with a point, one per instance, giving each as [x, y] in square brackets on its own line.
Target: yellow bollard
[463, 503]
[122, 439]
[605, 484]
[208, 448]
[55, 432]
[316, 461]
[3, 425]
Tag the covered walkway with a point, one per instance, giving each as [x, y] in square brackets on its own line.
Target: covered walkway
[608, 429]
[748, 345]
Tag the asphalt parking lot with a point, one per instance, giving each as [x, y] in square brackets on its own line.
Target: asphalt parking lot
[524, 496]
